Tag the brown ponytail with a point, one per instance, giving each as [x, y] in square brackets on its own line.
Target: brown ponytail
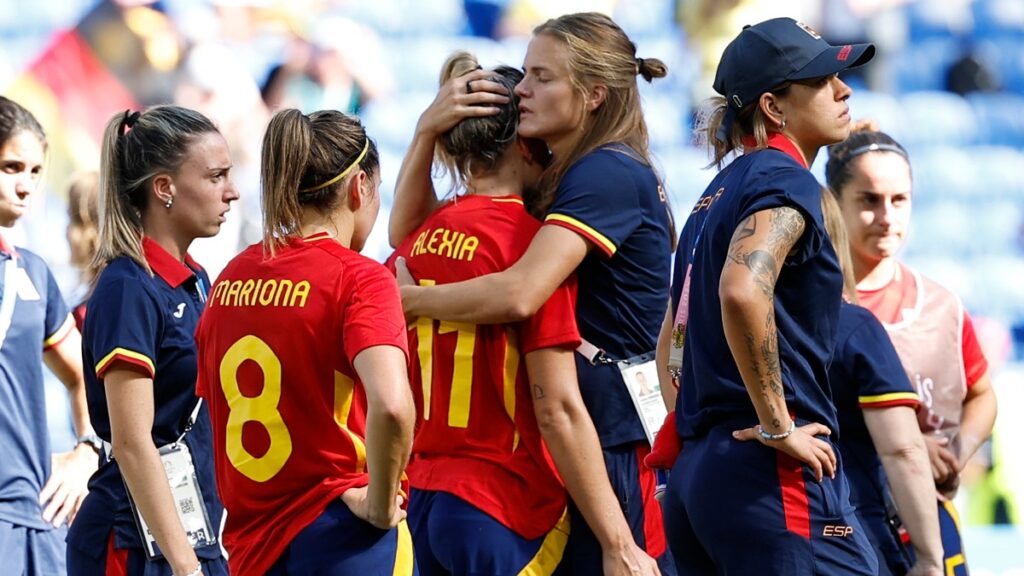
[300, 158]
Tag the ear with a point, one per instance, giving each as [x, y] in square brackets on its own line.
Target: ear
[355, 192]
[596, 97]
[163, 188]
[772, 108]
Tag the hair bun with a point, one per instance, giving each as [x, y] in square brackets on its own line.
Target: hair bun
[651, 68]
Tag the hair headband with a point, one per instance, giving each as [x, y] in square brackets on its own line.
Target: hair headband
[873, 147]
[344, 172]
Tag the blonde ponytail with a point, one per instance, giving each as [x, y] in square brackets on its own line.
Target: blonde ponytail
[120, 221]
[286, 148]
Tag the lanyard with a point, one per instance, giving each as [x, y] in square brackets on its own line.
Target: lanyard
[7, 298]
[678, 339]
[201, 288]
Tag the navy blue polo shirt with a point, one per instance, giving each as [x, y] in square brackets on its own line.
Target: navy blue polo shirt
[148, 322]
[866, 373]
[807, 294]
[614, 201]
[39, 319]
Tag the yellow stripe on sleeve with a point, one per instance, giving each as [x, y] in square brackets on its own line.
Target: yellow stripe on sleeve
[125, 355]
[61, 333]
[404, 562]
[551, 550]
[594, 235]
[891, 397]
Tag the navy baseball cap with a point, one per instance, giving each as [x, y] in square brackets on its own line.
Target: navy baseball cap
[775, 51]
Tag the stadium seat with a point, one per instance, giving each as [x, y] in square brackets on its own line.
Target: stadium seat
[883, 108]
[943, 172]
[646, 17]
[1006, 56]
[683, 172]
[1000, 117]
[997, 170]
[666, 117]
[409, 17]
[922, 65]
[940, 118]
[998, 18]
[392, 121]
[928, 19]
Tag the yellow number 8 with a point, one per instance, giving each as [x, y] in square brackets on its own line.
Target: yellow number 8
[261, 408]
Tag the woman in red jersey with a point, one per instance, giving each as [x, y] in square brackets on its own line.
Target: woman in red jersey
[302, 356]
[605, 218]
[486, 497]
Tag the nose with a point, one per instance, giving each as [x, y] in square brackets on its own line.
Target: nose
[232, 193]
[520, 88]
[841, 89]
[886, 213]
[24, 185]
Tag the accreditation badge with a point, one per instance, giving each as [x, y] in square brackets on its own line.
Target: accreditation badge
[188, 500]
[640, 375]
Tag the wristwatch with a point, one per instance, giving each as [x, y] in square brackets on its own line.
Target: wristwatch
[93, 441]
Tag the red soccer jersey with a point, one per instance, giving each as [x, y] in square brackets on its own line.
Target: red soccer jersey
[276, 345]
[477, 436]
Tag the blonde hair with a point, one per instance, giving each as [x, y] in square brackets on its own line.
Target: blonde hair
[301, 155]
[832, 214]
[600, 53]
[83, 222]
[750, 121]
[476, 144]
[157, 142]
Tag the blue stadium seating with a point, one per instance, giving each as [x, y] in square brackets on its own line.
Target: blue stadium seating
[1000, 117]
[922, 65]
[938, 118]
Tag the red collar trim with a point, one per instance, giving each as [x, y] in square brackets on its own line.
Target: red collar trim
[324, 235]
[7, 248]
[778, 141]
[166, 266]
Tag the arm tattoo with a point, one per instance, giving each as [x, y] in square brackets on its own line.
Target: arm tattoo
[746, 229]
[764, 256]
[787, 227]
[538, 392]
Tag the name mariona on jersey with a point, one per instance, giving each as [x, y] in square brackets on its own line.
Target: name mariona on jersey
[260, 292]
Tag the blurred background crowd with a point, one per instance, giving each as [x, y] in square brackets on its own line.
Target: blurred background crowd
[948, 82]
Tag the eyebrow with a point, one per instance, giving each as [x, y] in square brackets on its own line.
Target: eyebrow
[874, 193]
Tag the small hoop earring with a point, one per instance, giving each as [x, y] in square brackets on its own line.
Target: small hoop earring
[782, 125]
[169, 202]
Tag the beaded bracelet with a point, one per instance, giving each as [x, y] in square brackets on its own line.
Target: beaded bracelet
[780, 436]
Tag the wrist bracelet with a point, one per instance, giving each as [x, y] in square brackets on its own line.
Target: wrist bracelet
[197, 572]
[780, 436]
